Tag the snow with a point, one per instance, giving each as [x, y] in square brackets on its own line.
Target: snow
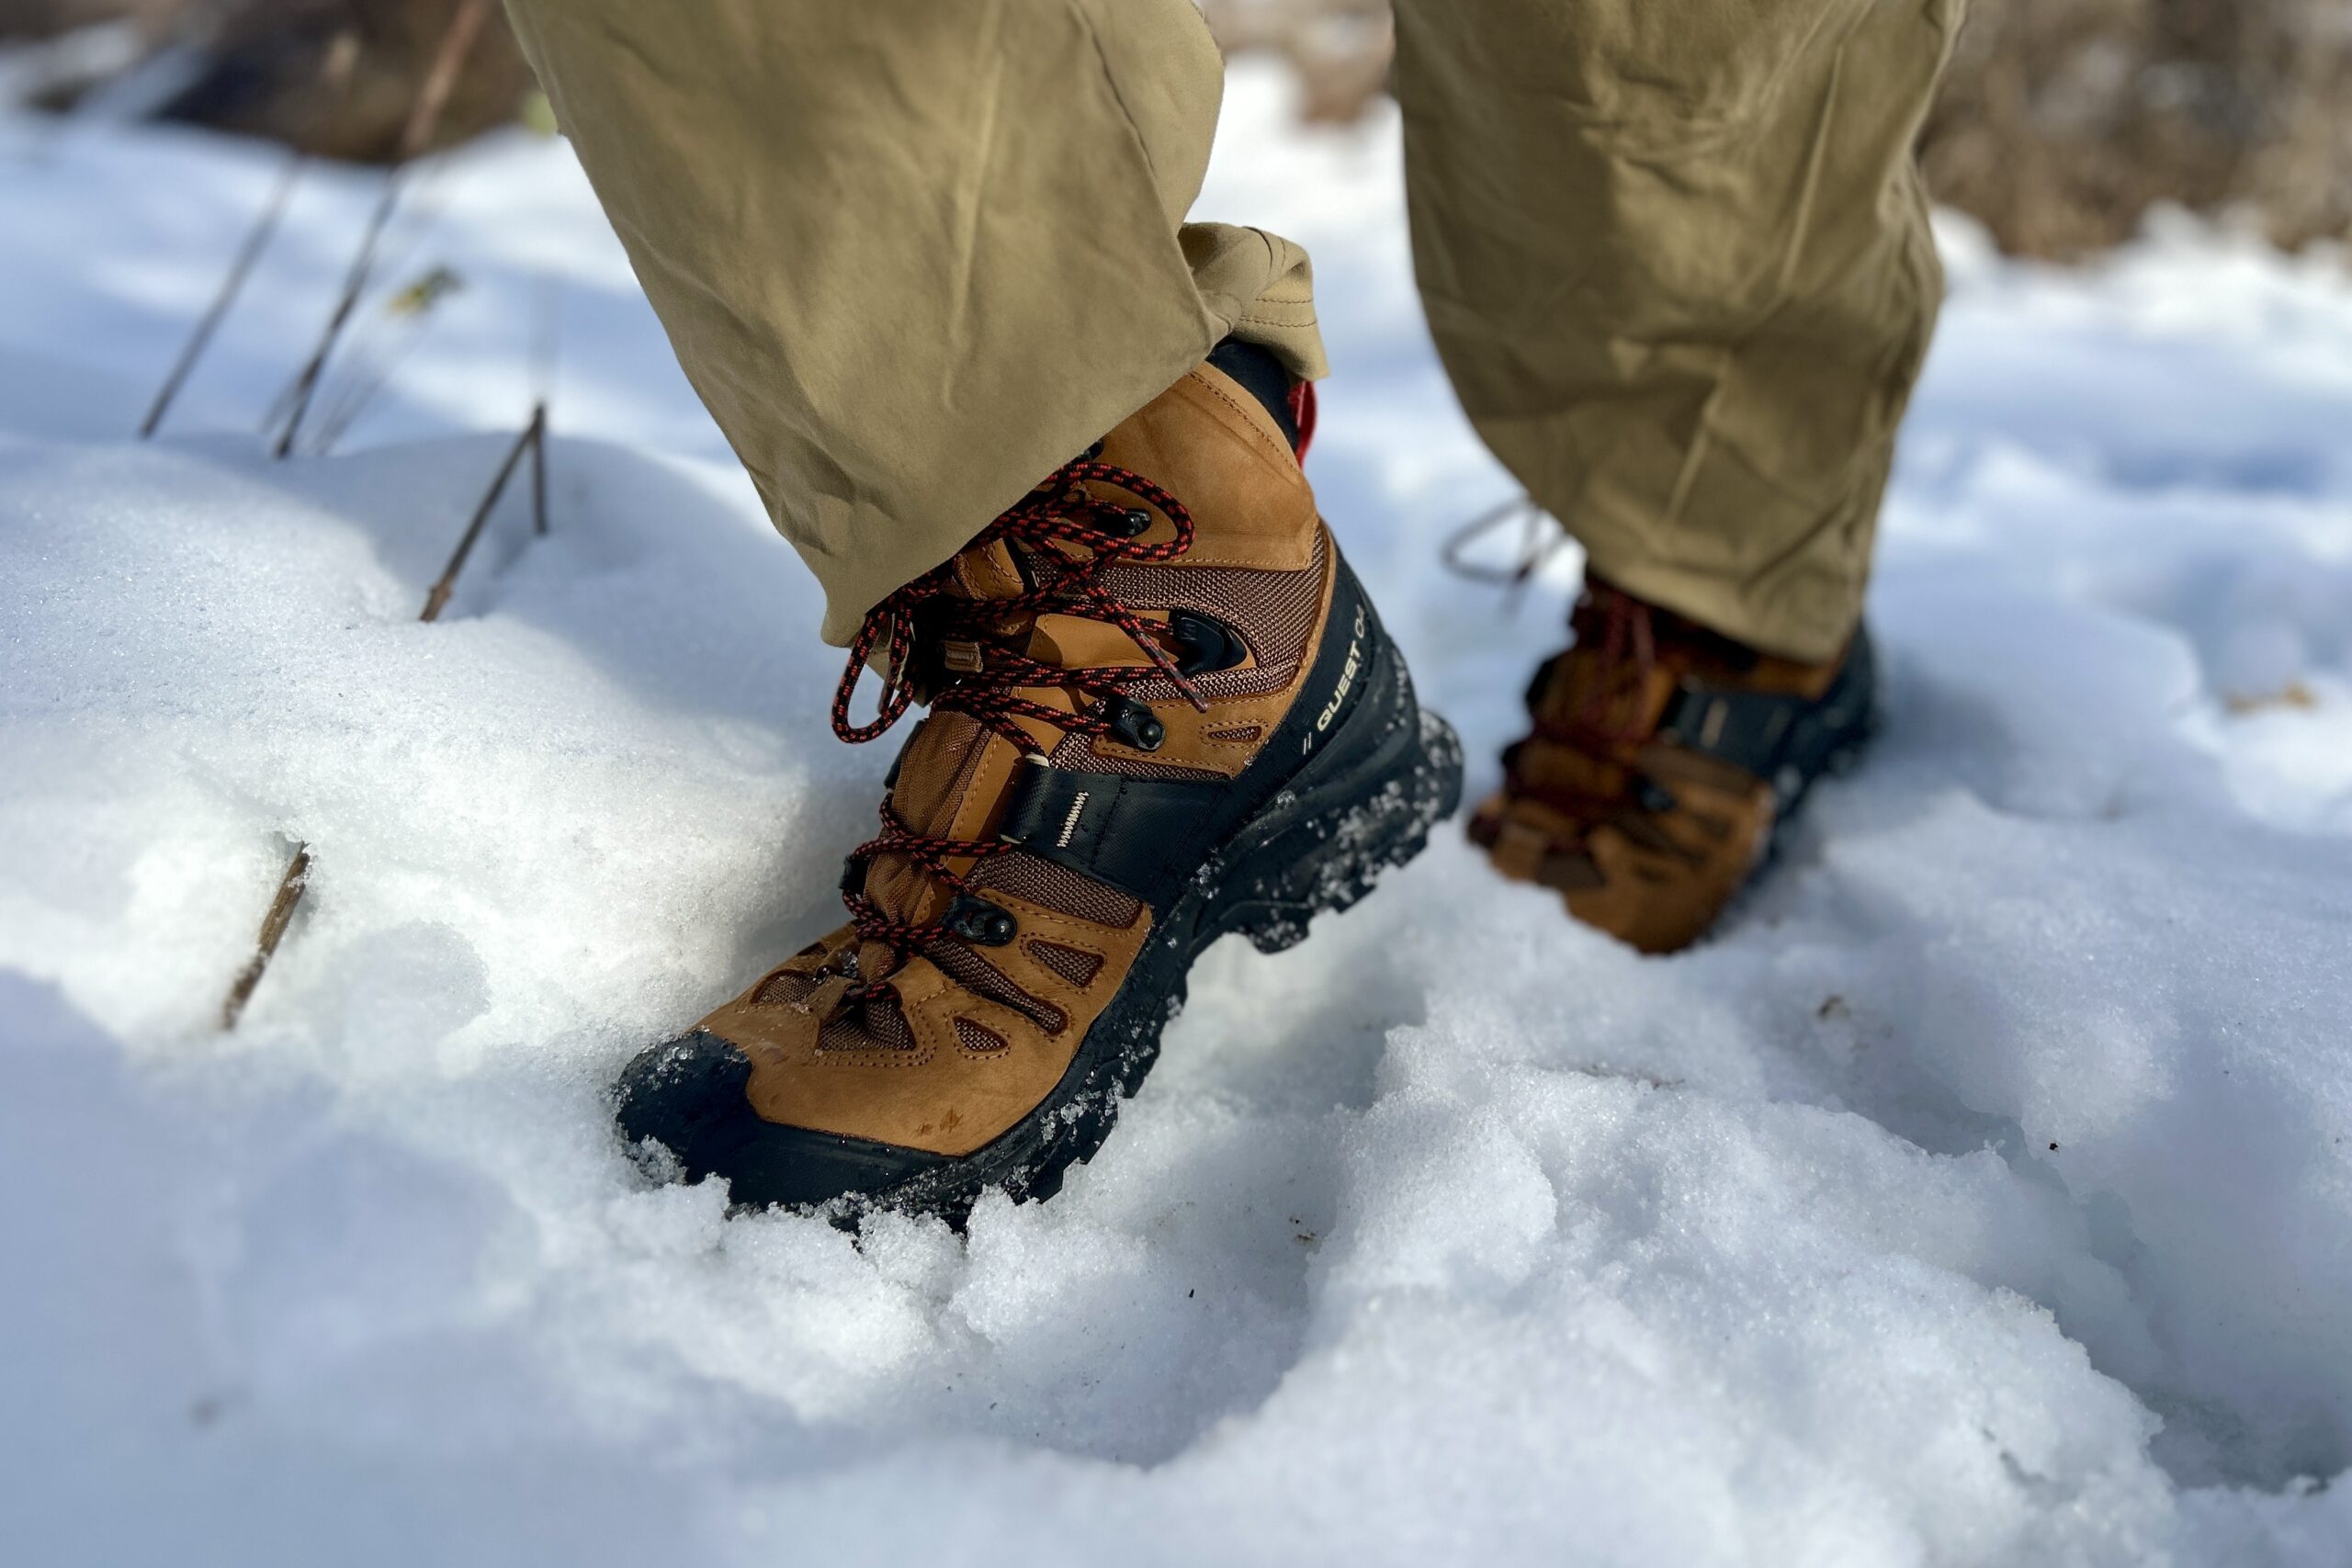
[1982, 1195]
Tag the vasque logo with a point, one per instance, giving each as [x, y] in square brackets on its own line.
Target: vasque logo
[1348, 672]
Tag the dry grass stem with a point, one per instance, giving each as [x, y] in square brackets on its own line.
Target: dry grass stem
[341, 58]
[534, 441]
[290, 888]
[433, 94]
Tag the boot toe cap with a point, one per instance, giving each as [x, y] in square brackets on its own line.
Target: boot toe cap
[689, 1098]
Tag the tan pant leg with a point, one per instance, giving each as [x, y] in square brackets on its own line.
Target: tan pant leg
[914, 255]
[1677, 259]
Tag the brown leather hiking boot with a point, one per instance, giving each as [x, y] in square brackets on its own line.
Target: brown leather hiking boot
[1664, 764]
[1161, 710]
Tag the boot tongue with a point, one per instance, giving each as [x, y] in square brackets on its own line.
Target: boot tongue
[989, 572]
[927, 796]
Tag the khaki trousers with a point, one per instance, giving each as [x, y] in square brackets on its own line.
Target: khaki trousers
[916, 253]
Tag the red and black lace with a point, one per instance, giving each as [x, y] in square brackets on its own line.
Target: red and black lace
[931, 614]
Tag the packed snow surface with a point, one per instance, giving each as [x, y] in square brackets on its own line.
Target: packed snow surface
[1982, 1195]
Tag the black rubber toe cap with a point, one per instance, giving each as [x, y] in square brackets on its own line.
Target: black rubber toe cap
[688, 1096]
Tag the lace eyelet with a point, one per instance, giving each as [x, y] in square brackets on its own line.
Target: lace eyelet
[1135, 725]
[1207, 645]
[979, 922]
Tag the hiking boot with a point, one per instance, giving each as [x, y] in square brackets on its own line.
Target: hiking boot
[1161, 710]
[1666, 763]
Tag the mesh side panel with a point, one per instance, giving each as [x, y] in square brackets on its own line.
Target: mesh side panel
[1273, 611]
[784, 990]
[1059, 889]
[975, 1038]
[980, 978]
[1079, 968]
[876, 1025]
[1077, 753]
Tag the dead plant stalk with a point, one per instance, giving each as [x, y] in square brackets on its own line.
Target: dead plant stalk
[290, 888]
[334, 77]
[417, 135]
[534, 441]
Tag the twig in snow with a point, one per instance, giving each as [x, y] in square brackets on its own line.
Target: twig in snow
[539, 472]
[334, 76]
[533, 440]
[355, 282]
[424, 118]
[546, 328]
[273, 931]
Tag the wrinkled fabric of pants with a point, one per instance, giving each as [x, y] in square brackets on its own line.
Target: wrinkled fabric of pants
[914, 255]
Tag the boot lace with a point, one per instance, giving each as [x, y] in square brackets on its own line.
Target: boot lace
[989, 637]
[1540, 538]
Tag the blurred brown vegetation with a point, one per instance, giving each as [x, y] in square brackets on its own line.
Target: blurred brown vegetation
[258, 67]
[2063, 122]
[2066, 121]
